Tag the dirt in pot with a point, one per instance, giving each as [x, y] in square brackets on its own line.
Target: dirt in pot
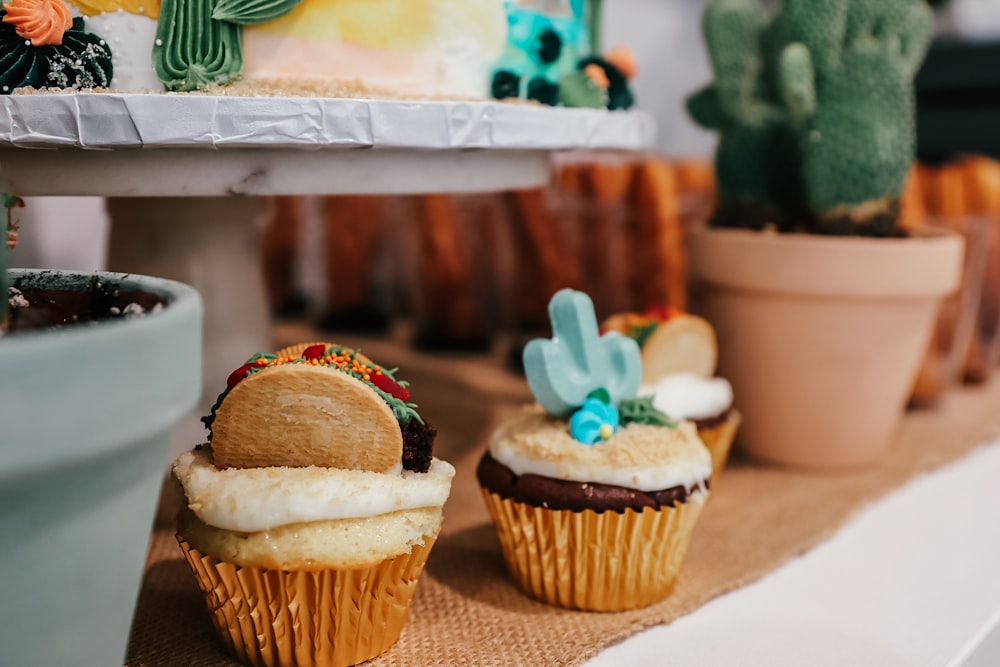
[32, 307]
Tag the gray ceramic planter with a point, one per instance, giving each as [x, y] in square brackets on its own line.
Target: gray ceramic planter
[85, 418]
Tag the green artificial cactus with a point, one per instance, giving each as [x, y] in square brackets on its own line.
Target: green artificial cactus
[856, 61]
[758, 167]
[815, 110]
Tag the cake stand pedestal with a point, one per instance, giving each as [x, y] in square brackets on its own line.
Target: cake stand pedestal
[209, 243]
[186, 176]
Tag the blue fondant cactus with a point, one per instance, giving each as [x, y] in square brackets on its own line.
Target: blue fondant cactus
[564, 370]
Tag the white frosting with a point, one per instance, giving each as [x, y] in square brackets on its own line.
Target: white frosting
[130, 37]
[256, 499]
[647, 458]
[690, 396]
[657, 478]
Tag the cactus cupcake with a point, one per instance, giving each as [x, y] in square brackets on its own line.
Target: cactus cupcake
[679, 355]
[593, 491]
[312, 511]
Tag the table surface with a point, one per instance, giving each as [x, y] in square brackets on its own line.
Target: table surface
[198, 145]
[910, 582]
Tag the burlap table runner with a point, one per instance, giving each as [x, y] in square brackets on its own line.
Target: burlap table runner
[467, 612]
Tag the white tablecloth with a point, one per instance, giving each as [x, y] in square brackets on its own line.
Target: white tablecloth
[912, 581]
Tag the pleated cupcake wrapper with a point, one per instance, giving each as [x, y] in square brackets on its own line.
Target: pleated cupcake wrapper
[719, 440]
[606, 561]
[328, 618]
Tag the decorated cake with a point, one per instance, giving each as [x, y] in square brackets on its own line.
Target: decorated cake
[312, 510]
[679, 358]
[540, 50]
[593, 491]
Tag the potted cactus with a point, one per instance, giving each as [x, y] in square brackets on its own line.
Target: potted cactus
[86, 408]
[822, 304]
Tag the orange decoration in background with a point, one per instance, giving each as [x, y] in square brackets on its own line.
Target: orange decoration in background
[596, 74]
[41, 22]
[623, 58]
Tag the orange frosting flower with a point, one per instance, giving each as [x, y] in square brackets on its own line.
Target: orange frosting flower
[40, 22]
[597, 75]
[623, 58]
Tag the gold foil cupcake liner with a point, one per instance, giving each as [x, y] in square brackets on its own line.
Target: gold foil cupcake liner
[321, 618]
[606, 561]
[718, 440]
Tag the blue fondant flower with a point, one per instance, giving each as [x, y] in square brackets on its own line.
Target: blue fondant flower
[596, 420]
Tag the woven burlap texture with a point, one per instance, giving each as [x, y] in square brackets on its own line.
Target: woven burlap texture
[468, 612]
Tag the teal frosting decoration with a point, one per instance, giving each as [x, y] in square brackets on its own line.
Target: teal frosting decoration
[528, 28]
[564, 370]
[597, 420]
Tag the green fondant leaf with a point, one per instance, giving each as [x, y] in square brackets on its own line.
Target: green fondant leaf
[601, 394]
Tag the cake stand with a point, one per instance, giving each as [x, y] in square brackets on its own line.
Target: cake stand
[187, 175]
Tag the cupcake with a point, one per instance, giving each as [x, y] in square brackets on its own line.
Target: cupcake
[312, 510]
[593, 491]
[679, 356]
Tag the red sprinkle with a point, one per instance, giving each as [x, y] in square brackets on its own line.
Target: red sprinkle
[390, 386]
[661, 313]
[314, 351]
[237, 376]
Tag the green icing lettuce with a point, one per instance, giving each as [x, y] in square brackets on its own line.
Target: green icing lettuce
[193, 50]
[249, 12]
[641, 334]
[83, 60]
[641, 411]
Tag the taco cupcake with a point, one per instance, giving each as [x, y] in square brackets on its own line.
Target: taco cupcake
[312, 510]
[594, 493]
[679, 357]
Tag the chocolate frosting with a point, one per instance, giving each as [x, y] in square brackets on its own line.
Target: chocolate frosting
[557, 494]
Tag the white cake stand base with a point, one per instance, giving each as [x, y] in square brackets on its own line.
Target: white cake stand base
[187, 174]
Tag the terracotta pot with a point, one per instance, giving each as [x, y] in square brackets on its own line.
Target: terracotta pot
[85, 419]
[821, 337]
